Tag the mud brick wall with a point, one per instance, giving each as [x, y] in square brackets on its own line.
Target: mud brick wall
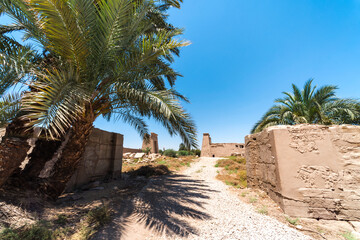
[102, 159]
[309, 170]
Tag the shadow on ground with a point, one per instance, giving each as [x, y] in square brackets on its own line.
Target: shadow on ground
[164, 205]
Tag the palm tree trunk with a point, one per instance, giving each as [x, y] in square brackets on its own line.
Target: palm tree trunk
[43, 151]
[69, 159]
[13, 148]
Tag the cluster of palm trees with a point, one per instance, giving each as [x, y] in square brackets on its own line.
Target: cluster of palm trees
[311, 105]
[85, 59]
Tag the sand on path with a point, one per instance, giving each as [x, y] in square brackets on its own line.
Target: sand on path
[192, 205]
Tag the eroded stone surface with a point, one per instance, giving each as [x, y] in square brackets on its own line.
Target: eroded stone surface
[309, 170]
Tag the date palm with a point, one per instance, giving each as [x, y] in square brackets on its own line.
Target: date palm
[109, 58]
[310, 105]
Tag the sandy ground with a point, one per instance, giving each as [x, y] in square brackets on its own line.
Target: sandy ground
[191, 205]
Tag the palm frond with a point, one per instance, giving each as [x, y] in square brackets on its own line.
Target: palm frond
[57, 100]
[10, 106]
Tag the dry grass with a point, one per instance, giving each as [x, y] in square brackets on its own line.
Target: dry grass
[172, 164]
[61, 228]
[233, 172]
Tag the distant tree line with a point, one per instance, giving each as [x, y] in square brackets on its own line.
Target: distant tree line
[183, 151]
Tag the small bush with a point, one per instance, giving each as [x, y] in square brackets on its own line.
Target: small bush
[349, 236]
[37, 231]
[252, 199]
[147, 150]
[263, 210]
[9, 234]
[195, 152]
[170, 153]
[234, 173]
[99, 216]
[183, 153]
[292, 221]
[61, 220]
[161, 151]
[162, 162]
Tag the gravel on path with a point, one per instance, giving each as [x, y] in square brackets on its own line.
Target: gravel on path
[194, 205]
[230, 217]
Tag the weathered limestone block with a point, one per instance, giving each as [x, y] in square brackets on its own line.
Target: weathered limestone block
[102, 159]
[310, 170]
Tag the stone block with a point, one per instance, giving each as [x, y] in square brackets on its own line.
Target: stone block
[321, 213]
[318, 167]
[356, 225]
[139, 155]
[101, 153]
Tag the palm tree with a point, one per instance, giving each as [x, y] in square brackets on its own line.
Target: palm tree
[15, 63]
[311, 105]
[108, 58]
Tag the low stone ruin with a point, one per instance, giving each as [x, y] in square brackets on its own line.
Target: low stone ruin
[140, 157]
[210, 149]
[309, 170]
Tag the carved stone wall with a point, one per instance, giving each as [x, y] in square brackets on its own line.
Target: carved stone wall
[209, 149]
[309, 170]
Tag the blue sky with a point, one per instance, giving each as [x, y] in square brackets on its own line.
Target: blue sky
[245, 53]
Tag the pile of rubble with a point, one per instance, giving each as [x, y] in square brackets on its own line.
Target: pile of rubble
[141, 157]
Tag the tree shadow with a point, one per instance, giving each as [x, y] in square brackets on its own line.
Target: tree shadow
[166, 205]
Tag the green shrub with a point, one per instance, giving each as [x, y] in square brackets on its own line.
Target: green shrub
[252, 199]
[183, 153]
[161, 151]
[263, 210]
[195, 152]
[292, 221]
[99, 216]
[61, 220]
[37, 231]
[182, 147]
[170, 153]
[9, 234]
[349, 236]
[147, 150]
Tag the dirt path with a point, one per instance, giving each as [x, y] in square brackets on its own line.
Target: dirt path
[193, 205]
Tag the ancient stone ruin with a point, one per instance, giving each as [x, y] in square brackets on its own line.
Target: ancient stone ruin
[210, 149]
[131, 154]
[153, 144]
[102, 159]
[309, 170]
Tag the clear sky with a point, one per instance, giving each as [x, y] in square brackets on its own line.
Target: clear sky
[245, 53]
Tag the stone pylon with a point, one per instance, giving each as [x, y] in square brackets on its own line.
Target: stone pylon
[205, 147]
[153, 143]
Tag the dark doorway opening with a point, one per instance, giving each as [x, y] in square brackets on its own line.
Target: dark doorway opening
[213, 155]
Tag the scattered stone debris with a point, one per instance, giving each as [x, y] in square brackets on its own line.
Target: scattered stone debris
[140, 157]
